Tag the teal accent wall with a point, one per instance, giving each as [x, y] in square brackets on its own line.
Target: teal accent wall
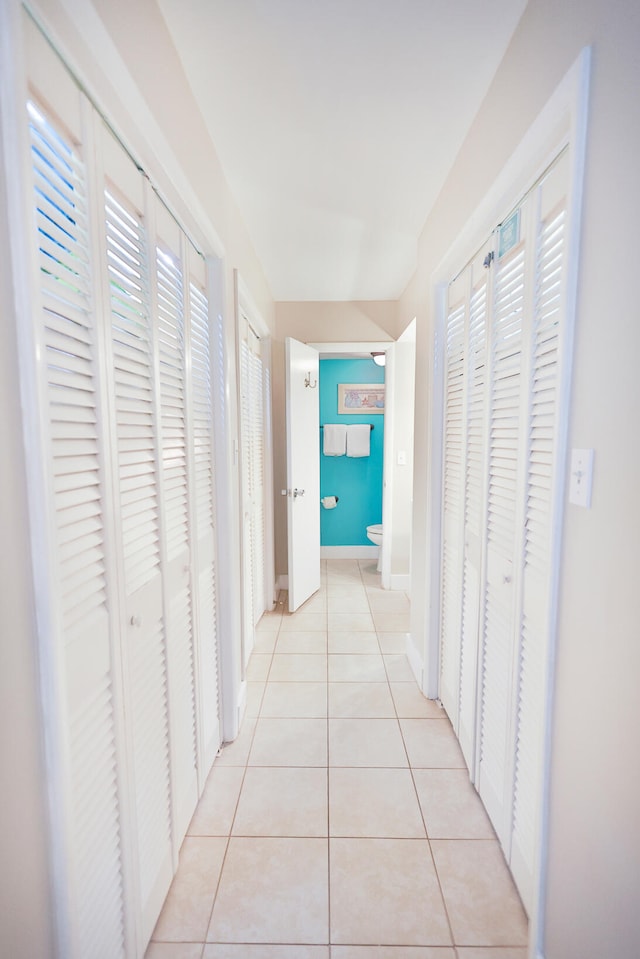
[356, 481]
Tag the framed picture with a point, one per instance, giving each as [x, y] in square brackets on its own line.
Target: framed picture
[361, 398]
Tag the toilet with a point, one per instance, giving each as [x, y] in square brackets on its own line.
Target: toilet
[374, 533]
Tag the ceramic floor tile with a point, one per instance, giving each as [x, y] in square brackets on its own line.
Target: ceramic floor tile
[258, 668]
[374, 802]
[451, 807]
[431, 743]
[255, 692]
[174, 950]
[392, 952]
[478, 952]
[366, 742]
[216, 809]
[237, 752]
[300, 642]
[272, 891]
[398, 668]
[387, 601]
[187, 908]
[410, 703]
[385, 891]
[391, 622]
[304, 622]
[316, 604]
[265, 642]
[298, 668]
[392, 642]
[338, 590]
[229, 951]
[282, 802]
[481, 899]
[295, 700]
[353, 642]
[350, 603]
[341, 622]
[360, 701]
[289, 742]
[356, 668]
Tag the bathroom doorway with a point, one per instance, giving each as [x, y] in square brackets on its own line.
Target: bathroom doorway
[397, 491]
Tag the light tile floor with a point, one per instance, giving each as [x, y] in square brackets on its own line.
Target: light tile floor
[341, 823]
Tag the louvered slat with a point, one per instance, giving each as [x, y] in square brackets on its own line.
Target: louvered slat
[170, 325]
[473, 492]
[151, 753]
[506, 358]
[69, 365]
[133, 381]
[538, 531]
[453, 505]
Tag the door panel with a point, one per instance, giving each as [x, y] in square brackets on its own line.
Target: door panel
[303, 471]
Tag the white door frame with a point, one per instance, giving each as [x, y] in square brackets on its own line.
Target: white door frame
[363, 350]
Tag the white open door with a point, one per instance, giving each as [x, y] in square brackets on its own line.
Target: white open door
[303, 471]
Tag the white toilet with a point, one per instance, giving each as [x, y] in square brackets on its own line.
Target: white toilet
[374, 533]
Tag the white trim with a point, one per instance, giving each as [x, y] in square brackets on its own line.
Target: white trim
[415, 661]
[227, 581]
[361, 349]
[400, 581]
[561, 122]
[349, 552]
[282, 582]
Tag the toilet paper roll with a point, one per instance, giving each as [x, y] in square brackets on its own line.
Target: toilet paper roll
[329, 502]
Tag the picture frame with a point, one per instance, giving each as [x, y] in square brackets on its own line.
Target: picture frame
[360, 398]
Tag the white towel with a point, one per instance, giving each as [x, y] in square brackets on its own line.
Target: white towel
[358, 440]
[329, 502]
[334, 440]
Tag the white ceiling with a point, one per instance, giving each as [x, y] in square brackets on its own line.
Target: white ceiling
[336, 123]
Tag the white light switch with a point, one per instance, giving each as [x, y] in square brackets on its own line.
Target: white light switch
[402, 458]
[581, 477]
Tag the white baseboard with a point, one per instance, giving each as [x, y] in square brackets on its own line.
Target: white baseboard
[400, 581]
[349, 552]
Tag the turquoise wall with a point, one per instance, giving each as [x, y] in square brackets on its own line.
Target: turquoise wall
[356, 481]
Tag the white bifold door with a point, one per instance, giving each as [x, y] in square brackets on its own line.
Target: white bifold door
[507, 331]
[123, 374]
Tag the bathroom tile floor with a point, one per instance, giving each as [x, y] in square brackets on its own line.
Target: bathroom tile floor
[340, 824]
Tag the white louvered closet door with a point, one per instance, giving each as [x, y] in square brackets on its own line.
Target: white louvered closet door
[542, 488]
[504, 481]
[474, 496]
[138, 504]
[172, 343]
[204, 512]
[81, 640]
[453, 487]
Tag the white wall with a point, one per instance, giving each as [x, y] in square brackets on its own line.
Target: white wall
[594, 833]
[25, 903]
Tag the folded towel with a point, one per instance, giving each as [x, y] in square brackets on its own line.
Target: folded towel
[358, 440]
[335, 439]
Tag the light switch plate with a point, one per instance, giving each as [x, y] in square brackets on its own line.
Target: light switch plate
[581, 477]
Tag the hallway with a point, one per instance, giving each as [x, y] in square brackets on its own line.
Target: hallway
[340, 824]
